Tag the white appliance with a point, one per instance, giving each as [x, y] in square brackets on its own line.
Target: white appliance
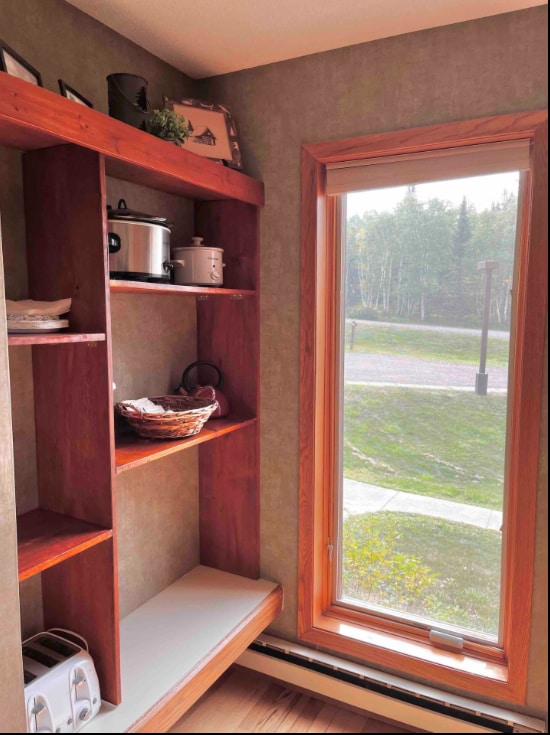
[198, 265]
[61, 685]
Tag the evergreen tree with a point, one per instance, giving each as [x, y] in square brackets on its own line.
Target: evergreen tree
[419, 261]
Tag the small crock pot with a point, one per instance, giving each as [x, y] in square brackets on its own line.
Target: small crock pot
[198, 265]
[139, 245]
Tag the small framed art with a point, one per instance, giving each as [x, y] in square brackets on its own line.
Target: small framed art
[13, 64]
[72, 94]
[212, 130]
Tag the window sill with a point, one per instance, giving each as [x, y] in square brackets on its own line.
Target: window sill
[412, 657]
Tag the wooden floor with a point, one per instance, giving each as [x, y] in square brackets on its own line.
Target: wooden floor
[245, 701]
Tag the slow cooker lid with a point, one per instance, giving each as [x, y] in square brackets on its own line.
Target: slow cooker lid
[197, 246]
[131, 215]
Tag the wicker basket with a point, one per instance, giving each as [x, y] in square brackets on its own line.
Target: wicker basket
[190, 415]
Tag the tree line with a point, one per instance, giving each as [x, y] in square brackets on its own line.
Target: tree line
[419, 262]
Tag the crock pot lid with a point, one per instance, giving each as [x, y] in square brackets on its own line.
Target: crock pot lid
[123, 213]
[196, 248]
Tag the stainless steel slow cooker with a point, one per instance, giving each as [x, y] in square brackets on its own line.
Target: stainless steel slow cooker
[139, 245]
[198, 264]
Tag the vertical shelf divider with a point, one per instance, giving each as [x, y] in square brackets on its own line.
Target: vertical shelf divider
[64, 189]
[228, 335]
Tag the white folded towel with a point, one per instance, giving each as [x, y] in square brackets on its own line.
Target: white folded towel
[29, 307]
[146, 406]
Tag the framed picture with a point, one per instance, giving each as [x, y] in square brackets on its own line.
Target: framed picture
[72, 94]
[13, 64]
[212, 130]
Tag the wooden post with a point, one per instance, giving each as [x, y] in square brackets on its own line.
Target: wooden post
[482, 379]
[352, 335]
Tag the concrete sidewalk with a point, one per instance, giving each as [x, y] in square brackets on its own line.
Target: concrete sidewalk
[360, 497]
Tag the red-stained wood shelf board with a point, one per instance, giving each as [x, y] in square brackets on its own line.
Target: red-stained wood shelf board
[45, 539]
[169, 289]
[15, 340]
[132, 450]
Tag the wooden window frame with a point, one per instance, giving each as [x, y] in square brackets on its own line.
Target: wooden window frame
[500, 674]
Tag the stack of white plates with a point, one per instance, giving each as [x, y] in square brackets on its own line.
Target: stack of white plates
[28, 325]
[19, 324]
[27, 317]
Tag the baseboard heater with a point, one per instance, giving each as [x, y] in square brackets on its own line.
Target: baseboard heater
[380, 694]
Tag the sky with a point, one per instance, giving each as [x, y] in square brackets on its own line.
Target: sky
[480, 191]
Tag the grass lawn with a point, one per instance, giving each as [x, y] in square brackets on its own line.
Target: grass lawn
[426, 344]
[444, 444]
[444, 571]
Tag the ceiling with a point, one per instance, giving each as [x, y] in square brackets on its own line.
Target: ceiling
[210, 37]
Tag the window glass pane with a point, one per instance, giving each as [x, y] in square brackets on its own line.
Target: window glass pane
[427, 277]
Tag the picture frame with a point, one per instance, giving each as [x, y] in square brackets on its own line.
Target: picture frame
[213, 131]
[12, 63]
[71, 94]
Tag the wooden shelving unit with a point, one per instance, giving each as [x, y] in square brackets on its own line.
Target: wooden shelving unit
[132, 451]
[204, 621]
[45, 539]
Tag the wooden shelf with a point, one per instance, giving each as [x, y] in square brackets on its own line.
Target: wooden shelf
[171, 289]
[45, 539]
[32, 117]
[132, 450]
[178, 643]
[15, 340]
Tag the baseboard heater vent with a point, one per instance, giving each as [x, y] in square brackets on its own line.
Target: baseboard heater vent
[381, 694]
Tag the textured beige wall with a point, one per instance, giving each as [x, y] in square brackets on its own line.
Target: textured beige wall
[61, 42]
[154, 339]
[486, 67]
[158, 532]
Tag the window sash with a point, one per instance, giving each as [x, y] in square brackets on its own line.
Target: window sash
[339, 237]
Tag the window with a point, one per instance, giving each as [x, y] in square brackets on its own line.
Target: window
[369, 587]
